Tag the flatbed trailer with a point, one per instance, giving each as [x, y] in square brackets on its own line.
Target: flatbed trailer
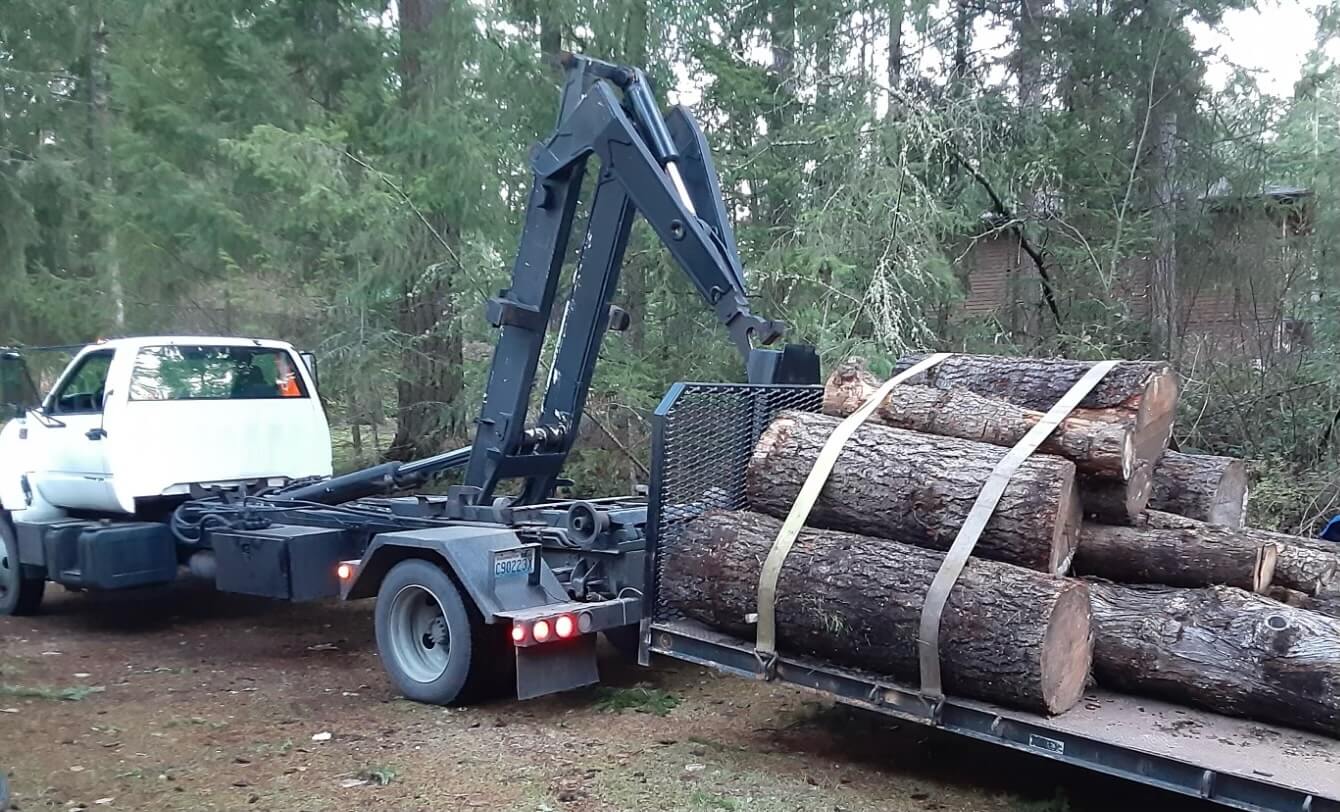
[703, 436]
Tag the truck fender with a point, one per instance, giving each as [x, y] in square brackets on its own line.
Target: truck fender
[466, 553]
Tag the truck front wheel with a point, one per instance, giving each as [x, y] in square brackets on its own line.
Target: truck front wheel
[18, 595]
[433, 644]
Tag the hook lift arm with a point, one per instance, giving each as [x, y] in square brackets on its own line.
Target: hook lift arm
[658, 167]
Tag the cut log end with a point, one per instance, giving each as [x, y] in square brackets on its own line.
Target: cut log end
[1264, 573]
[1113, 502]
[1065, 532]
[1067, 650]
[1158, 407]
[1229, 506]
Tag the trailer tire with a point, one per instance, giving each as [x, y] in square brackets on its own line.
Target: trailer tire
[18, 595]
[433, 643]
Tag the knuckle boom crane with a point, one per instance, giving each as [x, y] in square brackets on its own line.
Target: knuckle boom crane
[476, 582]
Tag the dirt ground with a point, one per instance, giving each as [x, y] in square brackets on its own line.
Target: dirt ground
[184, 699]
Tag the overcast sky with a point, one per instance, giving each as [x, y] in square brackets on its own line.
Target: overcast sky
[1273, 41]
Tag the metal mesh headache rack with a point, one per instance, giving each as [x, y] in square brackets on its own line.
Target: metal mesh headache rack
[703, 438]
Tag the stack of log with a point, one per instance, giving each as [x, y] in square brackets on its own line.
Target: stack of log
[1109, 557]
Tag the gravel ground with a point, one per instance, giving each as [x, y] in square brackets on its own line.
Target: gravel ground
[185, 699]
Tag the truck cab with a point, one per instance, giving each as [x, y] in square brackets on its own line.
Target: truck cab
[135, 422]
[129, 430]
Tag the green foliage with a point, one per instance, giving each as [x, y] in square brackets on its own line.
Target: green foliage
[640, 699]
[381, 776]
[352, 177]
[74, 693]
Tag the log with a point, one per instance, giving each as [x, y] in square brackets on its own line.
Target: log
[1112, 502]
[1303, 564]
[1192, 556]
[1097, 447]
[1145, 390]
[1329, 606]
[1222, 649]
[1200, 486]
[917, 489]
[1008, 634]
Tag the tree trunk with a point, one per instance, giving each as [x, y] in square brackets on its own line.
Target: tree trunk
[1309, 566]
[897, 10]
[1143, 390]
[551, 32]
[1200, 486]
[1190, 557]
[1029, 54]
[918, 489]
[1008, 635]
[963, 20]
[638, 261]
[1163, 276]
[431, 359]
[1096, 447]
[1222, 649]
[1329, 606]
[100, 126]
[781, 193]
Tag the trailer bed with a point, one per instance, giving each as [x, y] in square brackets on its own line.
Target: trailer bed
[703, 438]
[1234, 762]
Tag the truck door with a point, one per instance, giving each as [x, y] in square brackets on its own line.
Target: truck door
[69, 439]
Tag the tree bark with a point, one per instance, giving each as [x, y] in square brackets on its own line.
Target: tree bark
[103, 179]
[1222, 649]
[431, 360]
[1145, 391]
[1190, 557]
[1008, 634]
[897, 10]
[918, 489]
[1163, 296]
[1328, 606]
[1309, 566]
[1102, 448]
[1200, 486]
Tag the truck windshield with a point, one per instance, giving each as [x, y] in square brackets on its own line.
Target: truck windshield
[214, 373]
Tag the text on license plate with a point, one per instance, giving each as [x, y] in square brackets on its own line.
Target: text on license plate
[513, 562]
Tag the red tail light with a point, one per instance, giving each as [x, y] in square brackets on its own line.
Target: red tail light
[344, 572]
[540, 631]
[518, 633]
[564, 626]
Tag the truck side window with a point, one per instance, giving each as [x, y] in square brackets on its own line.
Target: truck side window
[83, 389]
[207, 372]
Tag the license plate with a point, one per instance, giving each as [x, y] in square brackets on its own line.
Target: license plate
[508, 563]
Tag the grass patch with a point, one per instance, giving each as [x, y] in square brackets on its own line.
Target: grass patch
[74, 693]
[195, 720]
[639, 699]
[1058, 803]
[707, 800]
[381, 776]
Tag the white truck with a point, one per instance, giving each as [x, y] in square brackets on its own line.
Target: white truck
[131, 429]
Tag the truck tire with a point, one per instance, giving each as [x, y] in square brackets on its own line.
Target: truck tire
[433, 643]
[18, 595]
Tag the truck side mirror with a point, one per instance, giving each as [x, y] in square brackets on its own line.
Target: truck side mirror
[309, 360]
[17, 392]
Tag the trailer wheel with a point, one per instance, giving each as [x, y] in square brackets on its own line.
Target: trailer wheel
[434, 645]
[18, 595]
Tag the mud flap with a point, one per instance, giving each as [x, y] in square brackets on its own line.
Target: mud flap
[558, 666]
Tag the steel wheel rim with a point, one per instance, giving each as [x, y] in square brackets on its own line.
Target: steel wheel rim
[420, 638]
